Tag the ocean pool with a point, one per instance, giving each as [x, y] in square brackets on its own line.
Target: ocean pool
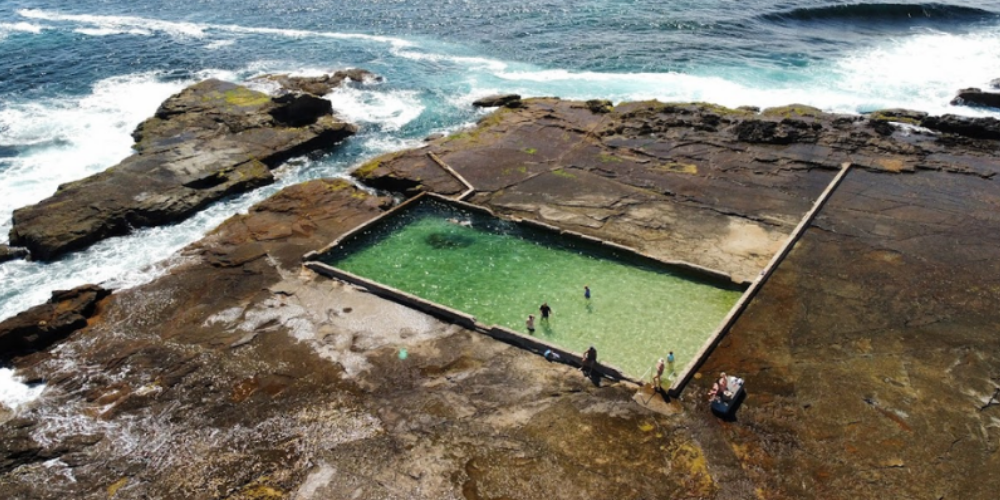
[501, 271]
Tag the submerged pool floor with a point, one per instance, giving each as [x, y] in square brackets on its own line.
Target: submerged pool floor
[501, 272]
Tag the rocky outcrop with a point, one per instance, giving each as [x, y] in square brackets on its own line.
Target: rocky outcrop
[976, 128]
[11, 253]
[498, 100]
[212, 140]
[323, 84]
[976, 97]
[41, 326]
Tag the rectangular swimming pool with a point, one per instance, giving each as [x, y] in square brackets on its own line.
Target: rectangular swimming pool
[501, 271]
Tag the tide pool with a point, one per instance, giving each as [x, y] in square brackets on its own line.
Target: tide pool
[501, 272]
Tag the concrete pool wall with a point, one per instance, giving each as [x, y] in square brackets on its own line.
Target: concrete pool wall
[312, 261]
[538, 345]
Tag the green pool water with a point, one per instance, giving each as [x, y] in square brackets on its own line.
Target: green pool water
[500, 272]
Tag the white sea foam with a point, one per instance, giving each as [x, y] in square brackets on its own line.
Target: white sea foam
[218, 44]
[112, 31]
[919, 72]
[122, 24]
[487, 64]
[104, 25]
[14, 392]
[22, 27]
[391, 110]
[922, 71]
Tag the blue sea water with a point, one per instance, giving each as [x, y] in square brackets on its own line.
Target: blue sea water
[77, 77]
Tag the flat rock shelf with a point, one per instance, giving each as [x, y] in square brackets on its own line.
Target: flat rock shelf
[501, 271]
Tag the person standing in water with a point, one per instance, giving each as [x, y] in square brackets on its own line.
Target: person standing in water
[545, 310]
[586, 292]
[670, 361]
[530, 323]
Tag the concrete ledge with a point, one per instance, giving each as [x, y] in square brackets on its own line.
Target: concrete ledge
[432, 308]
[539, 346]
[447, 168]
[464, 204]
[581, 236]
[540, 225]
[696, 269]
[313, 255]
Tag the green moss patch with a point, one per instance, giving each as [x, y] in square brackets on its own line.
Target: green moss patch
[242, 96]
[793, 111]
[681, 168]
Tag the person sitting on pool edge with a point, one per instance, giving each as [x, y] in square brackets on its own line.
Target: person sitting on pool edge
[588, 360]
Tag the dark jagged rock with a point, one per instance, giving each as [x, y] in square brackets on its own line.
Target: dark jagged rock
[995, 83]
[786, 131]
[898, 115]
[37, 328]
[300, 110]
[976, 97]
[976, 128]
[498, 100]
[212, 140]
[600, 106]
[324, 84]
[11, 253]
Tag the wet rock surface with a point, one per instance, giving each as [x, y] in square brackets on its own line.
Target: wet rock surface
[498, 100]
[870, 355]
[41, 326]
[323, 84]
[976, 97]
[212, 140]
[8, 253]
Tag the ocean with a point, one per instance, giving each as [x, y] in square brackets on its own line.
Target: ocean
[77, 77]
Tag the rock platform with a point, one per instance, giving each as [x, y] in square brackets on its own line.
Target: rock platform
[870, 355]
